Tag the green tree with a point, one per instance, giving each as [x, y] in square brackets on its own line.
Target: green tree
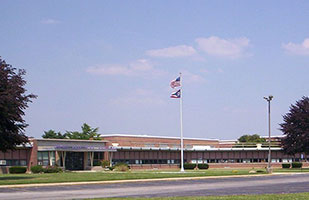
[296, 128]
[52, 134]
[13, 102]
[255, 138]
[86, 134]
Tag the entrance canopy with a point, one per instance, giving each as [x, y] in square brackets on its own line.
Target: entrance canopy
[73, 145]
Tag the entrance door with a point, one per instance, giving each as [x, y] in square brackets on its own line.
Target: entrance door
[74, 161]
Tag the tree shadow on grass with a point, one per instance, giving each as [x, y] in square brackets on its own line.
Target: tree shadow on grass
[4, 178]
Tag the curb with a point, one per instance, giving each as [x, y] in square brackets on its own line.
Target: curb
[137, 180]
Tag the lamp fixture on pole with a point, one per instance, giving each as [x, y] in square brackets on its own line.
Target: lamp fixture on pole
[268, 99]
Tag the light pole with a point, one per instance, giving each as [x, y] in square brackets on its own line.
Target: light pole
[268, 99]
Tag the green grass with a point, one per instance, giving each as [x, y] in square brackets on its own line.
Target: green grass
[291, 170]
[295, 196]
[9, 179]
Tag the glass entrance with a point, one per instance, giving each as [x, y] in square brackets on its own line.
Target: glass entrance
[74, 161]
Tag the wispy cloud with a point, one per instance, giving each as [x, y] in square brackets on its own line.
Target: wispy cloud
[298, 49]
[190, 77]
[230, 48]
[50, 21]
[140, 67]
[172, 52]
[139, 97]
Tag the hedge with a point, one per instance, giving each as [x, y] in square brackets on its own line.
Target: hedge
[37, 169]
[17, 170]
[203, 166]
[189, 166]
[286, 165]
[52, 169]
[297, 164]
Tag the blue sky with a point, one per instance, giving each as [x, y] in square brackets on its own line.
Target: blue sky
[109, 64]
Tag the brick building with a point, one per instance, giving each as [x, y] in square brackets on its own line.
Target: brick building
[144, 152]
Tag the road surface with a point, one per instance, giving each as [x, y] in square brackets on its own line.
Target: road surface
[288, 183]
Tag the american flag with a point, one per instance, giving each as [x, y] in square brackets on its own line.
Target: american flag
[175, 83]
[176, 94]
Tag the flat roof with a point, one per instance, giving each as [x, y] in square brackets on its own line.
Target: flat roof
[192, 149]
[69, 140]
[153, 136]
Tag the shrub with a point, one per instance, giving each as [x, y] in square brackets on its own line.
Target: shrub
[52, 169]
[17, 170]
[203, 166]
[286, 165]
[297, 164]
[122, 167]
[105, 163]
[37, 169]
[111, 168]
[260, 171]
[189, 165]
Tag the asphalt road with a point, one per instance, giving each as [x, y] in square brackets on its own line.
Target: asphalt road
[290, 183]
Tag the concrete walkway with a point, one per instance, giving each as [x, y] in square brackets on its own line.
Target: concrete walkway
[135, 180]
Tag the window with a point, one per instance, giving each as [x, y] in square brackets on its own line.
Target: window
[46, 158]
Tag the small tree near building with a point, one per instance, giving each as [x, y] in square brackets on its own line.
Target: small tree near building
[296, 128]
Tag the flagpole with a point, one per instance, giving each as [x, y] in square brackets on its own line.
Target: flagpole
[181, 130]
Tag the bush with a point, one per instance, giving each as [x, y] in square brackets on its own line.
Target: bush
[189, 165]
[122, 167]
[111, 168]
[37, 169]
[286, 165]
[297, 164]
[203, 166]
[105, 163]
[52, 169]
[17, 170]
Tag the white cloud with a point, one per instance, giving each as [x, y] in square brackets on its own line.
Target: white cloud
[190, 77]
[141, 67]
[50, 21]
[110, 70]
[139, 97]
[299, 49]
[172, 52]
[231, 48]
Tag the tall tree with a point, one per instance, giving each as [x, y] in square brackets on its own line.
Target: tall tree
[296, 128]
[13, 102]
[51, 134]
[255, 138]
[86, 134]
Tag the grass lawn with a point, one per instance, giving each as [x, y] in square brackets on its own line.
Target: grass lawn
[292, 170]
[9, 179]
[296, 196]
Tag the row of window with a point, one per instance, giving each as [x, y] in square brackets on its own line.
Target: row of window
[150, 161]
[13, 162]
[163, 161]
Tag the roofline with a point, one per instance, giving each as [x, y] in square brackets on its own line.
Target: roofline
[192, 149]
[273, 136]
[66, 140]
[152, 136]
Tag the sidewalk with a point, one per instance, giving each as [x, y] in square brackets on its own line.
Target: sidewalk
[135, 180]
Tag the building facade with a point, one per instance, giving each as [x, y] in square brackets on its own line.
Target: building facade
[144, 152]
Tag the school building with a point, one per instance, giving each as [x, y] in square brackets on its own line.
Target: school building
[145, 152]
